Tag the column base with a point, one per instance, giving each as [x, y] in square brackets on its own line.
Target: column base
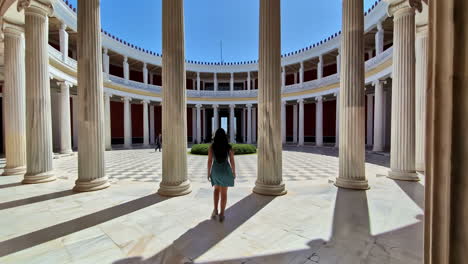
[65, 152]
[39, 178]
[420, 167]
[175, 190]
[403, 175]
[14, 171]
[93, 185]
[377, 149]
[352, 184]
[270, 190]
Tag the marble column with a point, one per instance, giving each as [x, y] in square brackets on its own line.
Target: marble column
[249, 124]
[145, 124]
[126, 69]
[319, 121]
[283, 77]
[243, 125]
[379, 117]
[174, 166]
[64, 118]
[420, 93]
[301, 73]
[379, 39]
[215, 118]
[198, 81]
[320, 68]
[402, 150]
[295, 123]
[38, 102]
[152, 132]
[145, 73]
[107, 121]
[215, 81]
[63, 36]
[199, 124]
[127, 122]
[91, 125]
[301, 122]
[75, 120]
[105, 63]
[269, 168]
[249, 82]
[254, 125]
[231, 82]
[283, 122]
[370, 119]
[352, 146]
[338, 63]
[14, 100]
[232, 132]
[337, 120]
[204, 124]
[194, 125]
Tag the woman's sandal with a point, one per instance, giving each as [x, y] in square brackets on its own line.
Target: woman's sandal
[221, 218]
[214, 214]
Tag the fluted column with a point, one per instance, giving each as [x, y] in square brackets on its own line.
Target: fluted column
[232, 133]
[91, 125]
[145, 73]
[319, 122]
[75, 120]
[199, 128]
[65, 123]
[320, 68]
[145, 124]
[379, 39]
[283, 122]
[301, 73]
[14, 100]
[198, 81]
[126, 69]
[215, 81]
[127, 122]
[215, 117]
[105, 62]
[194, 125]
[249, 124]
[249, 82]
[38, 105]
[269, 170]
[295, 123]
[402, 151]
[107, 121]
[63, 36]
[174, 166]
[301, 122]
[370, 119]
[352, 146]
[337, 121]
[283, 77]
[243, 125]
[379, 117]
[152, 133]
[338, 62]
[421, 87]
[231, 82]
[254, 125]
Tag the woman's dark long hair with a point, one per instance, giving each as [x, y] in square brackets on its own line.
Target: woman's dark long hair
[220, 145]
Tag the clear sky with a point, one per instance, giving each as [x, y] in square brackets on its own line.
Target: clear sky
[234, 22]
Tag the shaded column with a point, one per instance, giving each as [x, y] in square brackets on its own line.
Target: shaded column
[63, 36]
[254, 125]
[337, 120]
[127, 122]
[14, 100]
[215, 117]
[320, 67]
[64, 120]
[249, 123]
[301, 122]
[269, 170]
[283, 122]
[198, 81]
[301, 73]
[126, 69]
[145, 73]
[199, 128]
[107, 117]
[319, 121]
[38, 104]
[370, 119]
[421, 88]
[352, 146]
[232, 133]
[91, 165]
[249, 82]
[105, 63]
[402, 150]
[379, 117]
[174, 166]
[145, 124]
[215, 81]
[152, 133]
[295, 123]
[75, 120]
[194, 125]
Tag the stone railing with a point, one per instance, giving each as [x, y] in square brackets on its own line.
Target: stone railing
[134, 84]
[222, 94]
[314, 84]
[59, 56]
[377, 60]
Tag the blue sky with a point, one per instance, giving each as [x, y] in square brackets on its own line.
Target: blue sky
[234, 22]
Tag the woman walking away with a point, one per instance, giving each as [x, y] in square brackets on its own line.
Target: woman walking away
[221, 172]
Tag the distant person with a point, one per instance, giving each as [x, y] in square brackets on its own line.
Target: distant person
[158, 142]
[221, 172]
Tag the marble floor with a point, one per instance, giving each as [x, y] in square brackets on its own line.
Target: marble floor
[128, 223]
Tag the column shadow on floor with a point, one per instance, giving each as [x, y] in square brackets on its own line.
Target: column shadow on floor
[9, 185]
[36, 199]
[414, 190]
[59, 230]
[201, 238]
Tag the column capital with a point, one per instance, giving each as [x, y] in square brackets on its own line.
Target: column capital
[374, 83]
[215, 106]
[145, 102]
[320, 57]
[64, 84]
[106, 51]
[379, 27]
[12, 29]
[198, 106]
[145, 65]
[198, 75]
[319, 98]
[232, 106]
[63, 26]
[125, 59]
[300, 100]
[401, 7]
[35, 7]
[336, 94]
[126, 99]
[249, 106]
[284, 102]
[108, 95]
[301, 64]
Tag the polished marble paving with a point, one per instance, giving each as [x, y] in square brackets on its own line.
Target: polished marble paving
[128, 223]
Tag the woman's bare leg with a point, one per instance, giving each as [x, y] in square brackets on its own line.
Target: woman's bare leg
[216, 192]
[223, 199]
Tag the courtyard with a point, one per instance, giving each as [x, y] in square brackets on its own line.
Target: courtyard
[129, 223]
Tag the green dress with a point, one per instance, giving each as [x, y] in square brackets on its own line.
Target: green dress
[221, 173]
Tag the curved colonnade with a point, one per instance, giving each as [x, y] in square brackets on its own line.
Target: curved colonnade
[310, 80]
